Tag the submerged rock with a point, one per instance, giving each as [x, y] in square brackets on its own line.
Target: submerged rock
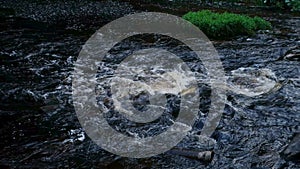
[292, 152]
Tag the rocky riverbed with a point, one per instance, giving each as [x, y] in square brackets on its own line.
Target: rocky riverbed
[40, 42]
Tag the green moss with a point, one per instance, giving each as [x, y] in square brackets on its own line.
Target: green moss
[225, 25]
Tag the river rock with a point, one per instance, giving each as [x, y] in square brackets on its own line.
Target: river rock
[293, 54]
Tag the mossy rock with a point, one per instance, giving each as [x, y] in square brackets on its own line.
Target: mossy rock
[226, 25]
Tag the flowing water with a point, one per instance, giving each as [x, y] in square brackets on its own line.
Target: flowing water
[39, 128]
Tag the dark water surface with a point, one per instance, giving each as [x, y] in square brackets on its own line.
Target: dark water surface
[39, 129]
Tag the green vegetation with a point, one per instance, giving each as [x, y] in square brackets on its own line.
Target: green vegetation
[6, 12]
[226, 25]
[295, 5]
